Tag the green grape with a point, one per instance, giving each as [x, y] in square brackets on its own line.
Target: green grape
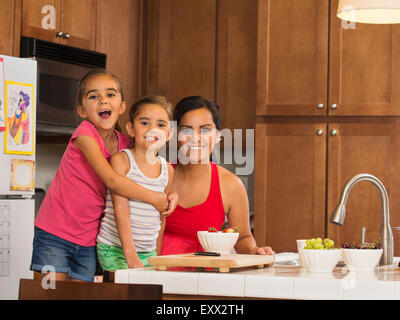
[319, 244]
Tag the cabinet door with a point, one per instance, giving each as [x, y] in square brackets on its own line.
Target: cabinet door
[7, 27]
[364, 68]
[237, 62]
[32, 18]
[290, 166]
[78, 19]
[373, 147]
[180, 49]
[119, 31]
[292, 57]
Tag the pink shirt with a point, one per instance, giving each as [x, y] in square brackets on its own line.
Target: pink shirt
[73, 206]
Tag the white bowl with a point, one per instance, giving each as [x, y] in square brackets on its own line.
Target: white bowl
[320, 260]
[217, 241]
[361, 260]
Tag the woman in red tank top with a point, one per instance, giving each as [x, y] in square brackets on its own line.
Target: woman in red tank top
[207, 192]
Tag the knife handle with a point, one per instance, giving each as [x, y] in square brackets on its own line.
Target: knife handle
[201, 253]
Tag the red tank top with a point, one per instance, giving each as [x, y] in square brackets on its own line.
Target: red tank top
[180, 235]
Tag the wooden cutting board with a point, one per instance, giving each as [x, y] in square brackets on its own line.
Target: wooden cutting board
[224, 262]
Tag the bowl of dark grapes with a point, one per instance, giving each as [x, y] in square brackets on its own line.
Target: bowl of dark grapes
[363, 257]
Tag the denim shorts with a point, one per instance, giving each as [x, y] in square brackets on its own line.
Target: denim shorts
[51, 253]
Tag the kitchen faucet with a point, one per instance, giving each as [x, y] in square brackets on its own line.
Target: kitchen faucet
[386, 235]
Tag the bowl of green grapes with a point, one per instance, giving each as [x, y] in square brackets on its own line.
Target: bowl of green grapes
[319, 255]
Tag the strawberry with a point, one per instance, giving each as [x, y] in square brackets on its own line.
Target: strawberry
[230, 230]
[212, 229]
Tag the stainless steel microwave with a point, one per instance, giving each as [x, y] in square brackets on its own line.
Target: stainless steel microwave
[60, 68]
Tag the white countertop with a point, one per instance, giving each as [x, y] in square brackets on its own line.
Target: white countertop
[278, 281]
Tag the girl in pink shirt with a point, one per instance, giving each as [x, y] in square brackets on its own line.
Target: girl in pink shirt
[68, 220]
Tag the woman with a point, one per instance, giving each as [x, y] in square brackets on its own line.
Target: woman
[207, 192]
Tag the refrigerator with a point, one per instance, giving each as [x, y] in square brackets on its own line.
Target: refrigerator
[18, 85]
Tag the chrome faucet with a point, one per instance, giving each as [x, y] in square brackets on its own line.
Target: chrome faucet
[386, 235]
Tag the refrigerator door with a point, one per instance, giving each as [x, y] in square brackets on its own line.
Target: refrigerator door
[16, 237]
[18, 146]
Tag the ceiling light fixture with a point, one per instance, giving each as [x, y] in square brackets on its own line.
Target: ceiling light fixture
[370, 11]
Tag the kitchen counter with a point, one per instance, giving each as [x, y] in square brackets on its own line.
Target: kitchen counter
[280, 281]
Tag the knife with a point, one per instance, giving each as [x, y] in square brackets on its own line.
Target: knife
[205, 253]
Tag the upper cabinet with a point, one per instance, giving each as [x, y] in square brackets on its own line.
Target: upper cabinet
[10, 19]
[206, 48]
[292, 57]
[180, 48]
[119, 35]
[293, 65]
[69, 22]
[364, 62]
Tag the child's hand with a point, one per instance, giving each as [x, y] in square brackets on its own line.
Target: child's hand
[161, 202]
[138, 264]
[135, 263]
[173, 202]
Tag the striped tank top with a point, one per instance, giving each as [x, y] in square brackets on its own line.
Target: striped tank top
[145, 219]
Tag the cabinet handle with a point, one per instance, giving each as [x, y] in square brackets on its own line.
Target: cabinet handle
[333, 106]
[59, 34]
[320, 106]
[333, 132]
[320, 132]
[66, 36]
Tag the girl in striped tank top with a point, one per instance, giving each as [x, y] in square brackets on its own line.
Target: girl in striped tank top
[131, 230]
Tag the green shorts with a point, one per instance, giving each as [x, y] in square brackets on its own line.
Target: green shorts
[112, 257]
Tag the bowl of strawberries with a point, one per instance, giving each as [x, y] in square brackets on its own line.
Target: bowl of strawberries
[218, 241]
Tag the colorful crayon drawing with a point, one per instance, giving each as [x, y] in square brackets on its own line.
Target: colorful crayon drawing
[19, 125]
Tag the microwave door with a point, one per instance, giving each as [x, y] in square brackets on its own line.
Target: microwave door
[57, 85]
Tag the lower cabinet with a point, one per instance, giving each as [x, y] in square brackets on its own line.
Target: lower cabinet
[301, 167]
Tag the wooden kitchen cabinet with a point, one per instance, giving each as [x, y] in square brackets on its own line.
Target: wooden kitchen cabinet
[364, 64]
[76, 20]
[180, 49]
[236, 62]
[367, 146]
[296, 48]
[9, 31]
[301, 172]
[290, 168]
[119, 35]
[32, 16]
[206, 48]
[292, 57]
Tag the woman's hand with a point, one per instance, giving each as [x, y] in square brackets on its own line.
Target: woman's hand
[262, 250]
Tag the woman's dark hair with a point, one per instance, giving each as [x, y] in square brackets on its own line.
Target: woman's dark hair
[196, 102]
